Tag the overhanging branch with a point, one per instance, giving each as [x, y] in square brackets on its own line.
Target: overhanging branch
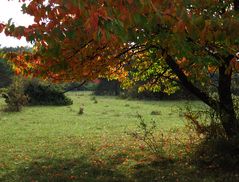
[76, 87]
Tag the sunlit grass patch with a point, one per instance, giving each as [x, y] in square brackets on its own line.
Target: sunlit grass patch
[58, 144]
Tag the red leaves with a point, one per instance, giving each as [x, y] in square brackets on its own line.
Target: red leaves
[94, 21]
[2, 26]
[63, 27]
[233, 66]
[130, 1]
[180, 26]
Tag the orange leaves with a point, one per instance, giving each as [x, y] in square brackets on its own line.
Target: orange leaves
[95, 15]
[212, 69]
[130, 1]
[119, 74]
[63, 27]
[233, 66]
[102, 12]
[17, 71]
[183, 62]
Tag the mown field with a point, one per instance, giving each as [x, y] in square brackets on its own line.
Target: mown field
[58, 144]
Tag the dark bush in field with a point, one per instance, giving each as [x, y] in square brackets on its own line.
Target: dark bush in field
[14, 96]
[218, 152]
[108, 87]
[41, 93]
[215, 150]
[5, 73]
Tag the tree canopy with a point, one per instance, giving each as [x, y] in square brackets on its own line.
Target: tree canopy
[159, 43]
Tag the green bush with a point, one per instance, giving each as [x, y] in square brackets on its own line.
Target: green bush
[15, 97]
[41, 93]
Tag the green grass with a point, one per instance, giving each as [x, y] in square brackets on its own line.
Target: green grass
[58, 144]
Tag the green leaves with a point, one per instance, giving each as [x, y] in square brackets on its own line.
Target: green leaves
[140, 19]
[116, 27]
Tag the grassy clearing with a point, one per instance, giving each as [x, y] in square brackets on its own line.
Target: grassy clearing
[58, 144]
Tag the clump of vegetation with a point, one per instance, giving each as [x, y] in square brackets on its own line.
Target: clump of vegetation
[41, 93]
[94, 100]
[165, 146]
[33, 92]
[5, 72]
[218, 152]
[14, 96]
[81, 110]
[146, 133]
[205, 122]
[156, 113]
[215, 150]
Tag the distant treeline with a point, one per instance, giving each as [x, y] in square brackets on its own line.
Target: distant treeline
[106, 87]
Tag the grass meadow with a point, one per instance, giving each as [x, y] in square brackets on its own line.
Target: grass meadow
[58, 144]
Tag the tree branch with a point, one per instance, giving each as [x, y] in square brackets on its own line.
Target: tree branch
[78, 86]
[188, 85]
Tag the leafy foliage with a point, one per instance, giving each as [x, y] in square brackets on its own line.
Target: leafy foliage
[162, 43]
[103, 30]
[127, 40]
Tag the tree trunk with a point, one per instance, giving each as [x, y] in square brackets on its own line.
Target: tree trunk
[203, 96]
[227, 112]
[224, 107]
[236, 5]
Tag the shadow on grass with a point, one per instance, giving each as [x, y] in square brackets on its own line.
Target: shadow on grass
[82, 169]
[59, 170]
[180, 171]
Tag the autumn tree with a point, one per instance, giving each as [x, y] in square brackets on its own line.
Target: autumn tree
[160, 43]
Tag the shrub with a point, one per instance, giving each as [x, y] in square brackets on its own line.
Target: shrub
[205, 122]
[146, 133]
[15, 97]
[6, 73]
[41, 93]
[108, 87]
[218, 152]
[81, 111]
[156, 113]
[215, 150]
